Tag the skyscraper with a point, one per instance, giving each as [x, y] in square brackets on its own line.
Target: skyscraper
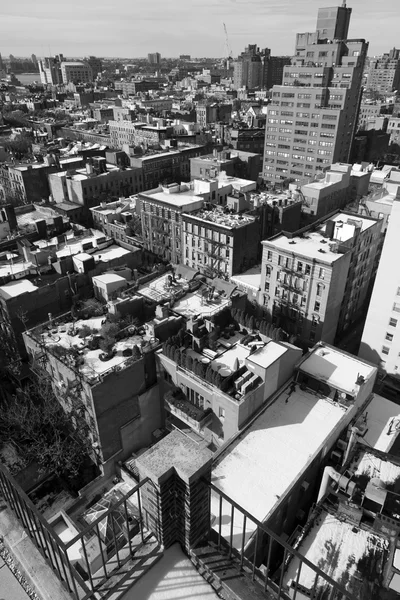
[248, 68]
[384, 73]
[312, 117]
[154, 58]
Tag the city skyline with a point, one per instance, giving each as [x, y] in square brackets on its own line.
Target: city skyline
[126, 35]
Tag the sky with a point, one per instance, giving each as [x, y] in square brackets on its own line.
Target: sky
[133, 28]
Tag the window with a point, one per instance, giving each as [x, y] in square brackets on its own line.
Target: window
[320, 287]
[221, 413]
[398, 291]
[385, 350]
[393, 322]
[280, 263]
[312, 336]
[396, 307]
[308, 269]
[299, 267]
[322, 276]
[268, 271]
[269, 255]
[266, 286]
[317, 306]
[389, 337]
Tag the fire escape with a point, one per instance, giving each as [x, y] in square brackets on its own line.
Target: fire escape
[160, 226]
[215, 258]
[288, 307]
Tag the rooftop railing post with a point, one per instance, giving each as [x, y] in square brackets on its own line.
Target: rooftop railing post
[296, 585]
[255, 554]
[243, 541]
[127, 524]
[87, 563]
[101, 551]
[111, 516]
[231, 536]
[72, 575]
[220, 522]
[140, 515]
[282, 573]
[268, 563]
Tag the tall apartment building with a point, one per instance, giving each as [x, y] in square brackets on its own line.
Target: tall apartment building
[98, 181]
[95, 64]
[315, 282]
[273, 70]
[248, 68]
[161, 213]
[166, 167]
[219, 244]
[76, 72]
[384, 73]
[50, 70]
[312, 118]
[154, 58]
[380, 341]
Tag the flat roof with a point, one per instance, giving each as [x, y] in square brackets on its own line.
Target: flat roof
[249, 279]
[315, 245]
[178, 199]
[109, 278]
[268, 354]
[111, 253]
[16, 288]
[378, 417]
[350, 546]
[336, 368]
[268, 457]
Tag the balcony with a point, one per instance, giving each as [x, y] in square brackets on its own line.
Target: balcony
[176, 403]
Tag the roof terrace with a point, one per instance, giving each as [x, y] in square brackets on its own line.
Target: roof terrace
[188, 298]
[223, 219]
[91, 346]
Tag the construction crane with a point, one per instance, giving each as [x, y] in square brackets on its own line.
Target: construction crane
[227, 45]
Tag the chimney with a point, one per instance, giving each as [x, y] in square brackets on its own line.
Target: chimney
[89, 168]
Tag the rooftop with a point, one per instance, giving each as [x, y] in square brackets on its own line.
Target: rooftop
[314, 244]
[222, 218]
[249, 279]
[16, 288]
[184, 301]
[179, 199]
[381, 418]
[350, 555]
[336, 368]
[280, 443]
[61, 337]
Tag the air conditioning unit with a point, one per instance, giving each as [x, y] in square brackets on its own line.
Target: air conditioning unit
[336, 456]
[304, 486]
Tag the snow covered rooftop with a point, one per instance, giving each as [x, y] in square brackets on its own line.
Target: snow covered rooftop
[347, 554]
[336, 368]
[267, 458]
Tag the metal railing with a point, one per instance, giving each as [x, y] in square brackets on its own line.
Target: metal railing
[77, 575]
[277, 552]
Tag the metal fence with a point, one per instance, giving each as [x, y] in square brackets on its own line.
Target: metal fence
[125, 521]
[277, 553]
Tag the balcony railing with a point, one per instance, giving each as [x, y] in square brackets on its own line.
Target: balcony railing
[187, 412]
[244, 554]
[80, 582]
